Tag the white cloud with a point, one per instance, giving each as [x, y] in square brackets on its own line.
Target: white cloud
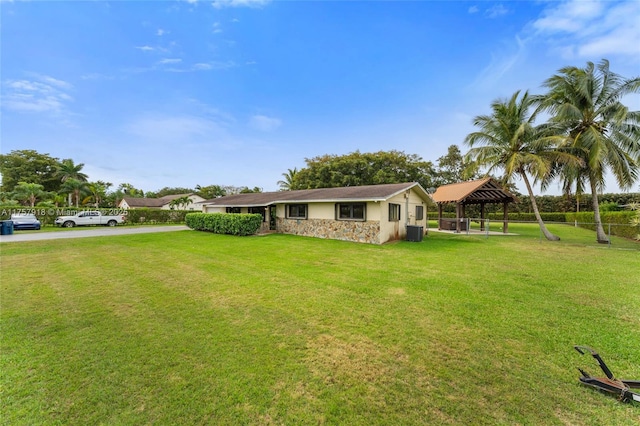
[45, 94]
[160, 32]
[219, 4]
[473, 9]
[501, 64]
[202, 66]
[170, 61]
[264, 123]
[145, 48]
[591, 29]
[496, 11]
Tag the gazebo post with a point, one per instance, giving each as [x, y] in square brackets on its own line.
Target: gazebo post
[439, 216]
[458, 215]
[482, 216]
[505, 217]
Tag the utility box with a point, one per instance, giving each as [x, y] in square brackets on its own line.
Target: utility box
[415, 233]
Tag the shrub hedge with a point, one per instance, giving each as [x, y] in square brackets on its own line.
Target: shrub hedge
[620, 222]
[513, 217]
[225, 223]
[47, 215]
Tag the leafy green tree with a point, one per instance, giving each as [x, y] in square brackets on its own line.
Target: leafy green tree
[288, 183]
[586, 104]
[356, 168]
[168, 191]
[131, 191]
[98, 192]
[180, 202]
[453, 168]
[29, 192]
[29, 166]
[508, 140]
[76, 188]
[210, 192]
[247, 190]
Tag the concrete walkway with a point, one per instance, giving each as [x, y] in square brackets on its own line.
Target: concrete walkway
[91, 232]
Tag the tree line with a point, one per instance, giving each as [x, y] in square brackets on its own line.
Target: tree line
[31, 178]
[588, 132]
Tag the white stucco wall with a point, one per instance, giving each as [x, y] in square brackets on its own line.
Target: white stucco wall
[377, 217]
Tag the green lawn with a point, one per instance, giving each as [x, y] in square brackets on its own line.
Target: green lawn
[196, 328]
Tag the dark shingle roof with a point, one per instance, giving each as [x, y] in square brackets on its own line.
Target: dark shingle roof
[349, 193]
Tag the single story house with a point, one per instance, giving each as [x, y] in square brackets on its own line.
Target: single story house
[164, 203]
[372, 214]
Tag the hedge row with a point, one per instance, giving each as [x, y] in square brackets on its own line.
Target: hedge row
[513, 217]
[223, 223]
[47, 215]
[148, 216]
[618, 223]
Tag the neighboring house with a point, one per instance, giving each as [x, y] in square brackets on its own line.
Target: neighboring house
[369, 214]
[163, 203]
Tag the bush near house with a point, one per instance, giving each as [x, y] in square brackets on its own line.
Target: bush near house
[224, 223]
[147, 216]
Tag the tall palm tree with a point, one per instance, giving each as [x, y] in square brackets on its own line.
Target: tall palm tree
[586, 104]
[98, 191]
[68, 170]
[75, 187]
[29, 192]
[509, 140]
[288, 183]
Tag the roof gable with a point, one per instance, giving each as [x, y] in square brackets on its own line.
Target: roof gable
[475, 191]
[348, 193]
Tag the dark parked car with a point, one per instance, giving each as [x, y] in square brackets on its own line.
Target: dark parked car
[25, 221]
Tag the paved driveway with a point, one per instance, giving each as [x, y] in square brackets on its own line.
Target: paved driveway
[91, 232]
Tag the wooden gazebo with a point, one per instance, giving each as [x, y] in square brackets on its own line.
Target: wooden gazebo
[482, 192]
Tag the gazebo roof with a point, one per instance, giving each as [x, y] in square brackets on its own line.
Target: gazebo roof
[484, 190]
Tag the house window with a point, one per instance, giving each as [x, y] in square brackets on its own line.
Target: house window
[394, 212]
[297, 211]
[259, 210]
[234, 210]
[419, 212]
[351, 211]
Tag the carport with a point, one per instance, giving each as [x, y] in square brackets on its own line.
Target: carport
[484, 191]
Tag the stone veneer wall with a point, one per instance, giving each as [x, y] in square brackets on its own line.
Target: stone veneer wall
[360, 232]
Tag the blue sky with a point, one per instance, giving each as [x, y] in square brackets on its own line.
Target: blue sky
[181, 93]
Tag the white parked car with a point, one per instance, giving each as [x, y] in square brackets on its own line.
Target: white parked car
[89, 218]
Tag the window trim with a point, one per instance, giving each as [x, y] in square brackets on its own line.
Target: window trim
[393, 209]
[288, 211]
[420, 209]
[351, 210]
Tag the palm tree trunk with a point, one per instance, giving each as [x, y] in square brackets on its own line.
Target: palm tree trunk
[601, 237]
[548, 235]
